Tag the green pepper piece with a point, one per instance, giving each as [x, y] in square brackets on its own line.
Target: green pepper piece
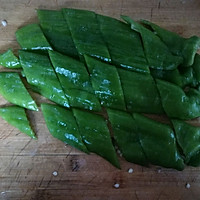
[158, 142]
[16, 116]
[106, 83]
[57, 31]
[13, 90]
[125, 46]
[40, 73]
[9, 60]
[157, 53]
[62, 125]
[140, 92]
[31, 37]
[188, 137]
[95, 135]
[126, 136]
[75, 81]
[172, 76]
[182, 76]
[191, 75]
[196, 69]
[179, 46]
[86, 33]
[187, 76]
[177, 103]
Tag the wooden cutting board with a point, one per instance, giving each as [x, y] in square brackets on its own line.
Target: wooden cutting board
[46, 168]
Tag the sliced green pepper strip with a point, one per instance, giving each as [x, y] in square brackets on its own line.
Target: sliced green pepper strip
[188, 137]
[86, 33]
[96, 136]
[141, 94]
[158, 142]
[172, 76]
[40, 73]
[75, 81]
[196, 69]
[124, 44]
[9, 60]
[157, 53]
[16, 116]
[106, 83]
[62, 125]
[31, 37]
[13, 90]
[187, 77]
[57, 31]
[191, 75]
[182, 76]
[177, 103]
[126, 136]
[179, 46]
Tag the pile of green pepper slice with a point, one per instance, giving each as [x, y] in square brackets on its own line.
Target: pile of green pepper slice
[102, 75]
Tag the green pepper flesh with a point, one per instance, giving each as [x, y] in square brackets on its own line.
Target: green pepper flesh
[62, 125]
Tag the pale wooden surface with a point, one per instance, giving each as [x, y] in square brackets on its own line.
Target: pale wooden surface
[26, 165]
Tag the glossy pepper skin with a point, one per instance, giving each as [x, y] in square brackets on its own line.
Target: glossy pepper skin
[179, 46]
[106, 83]
[31, 37]
[188, 138]
[124, 45]
[157, 53]
[158, 142]
[75, 81]
[95, 135]
[140, 92]
[57, 32]
[40, 74]
[9, 60]
[86, 33]
[126, 136]
[177, 103]
[13, 90]
[62, 125]
[16, 116]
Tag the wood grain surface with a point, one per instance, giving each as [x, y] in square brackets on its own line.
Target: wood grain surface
[46, 168]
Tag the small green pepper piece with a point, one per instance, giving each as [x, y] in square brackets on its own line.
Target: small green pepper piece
[62, 125]
[57, 31]
[75, 81]
[177, 103]
[187, 76]
[9, 60]
[196, 69]
[182, 76]
[31, 37]
[179, 46]
[172, 76]
[140, 92]
[106, 83]
[16, 116]
[158, 142]
[86, 33]
[188, 137]
[96, 136]
[124, 44]
[126, 136]
[157, 53]
[13, 90]
[40, 73]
